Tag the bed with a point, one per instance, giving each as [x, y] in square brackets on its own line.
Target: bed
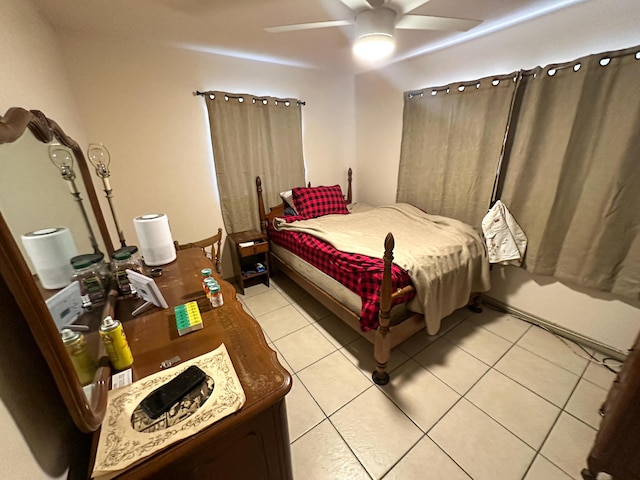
[331, 247]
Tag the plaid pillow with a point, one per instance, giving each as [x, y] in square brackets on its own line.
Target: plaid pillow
[312, 202]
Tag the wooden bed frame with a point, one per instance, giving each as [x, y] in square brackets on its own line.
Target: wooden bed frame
[387, 335]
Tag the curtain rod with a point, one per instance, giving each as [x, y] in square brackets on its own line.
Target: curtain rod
[533, 72]
[299, 102]
[471, 83]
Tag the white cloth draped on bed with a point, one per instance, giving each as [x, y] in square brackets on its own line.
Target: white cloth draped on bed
[445, 258]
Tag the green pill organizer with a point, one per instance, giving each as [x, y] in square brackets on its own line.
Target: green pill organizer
[188, 318]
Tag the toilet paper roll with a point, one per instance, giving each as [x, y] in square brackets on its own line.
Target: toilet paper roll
[50, 251]
[154, 238]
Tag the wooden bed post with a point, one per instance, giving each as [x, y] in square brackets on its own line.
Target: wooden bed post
[349, 177]
[263, 219]
[475, 303]
[382, 346]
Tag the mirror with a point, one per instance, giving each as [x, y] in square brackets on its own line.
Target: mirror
[35, 196]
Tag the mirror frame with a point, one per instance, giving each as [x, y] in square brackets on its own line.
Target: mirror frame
[87, 414]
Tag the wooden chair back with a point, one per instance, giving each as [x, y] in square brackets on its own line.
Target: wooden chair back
[214, 242]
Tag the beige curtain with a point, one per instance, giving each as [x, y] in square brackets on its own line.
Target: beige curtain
[254, 136]
[573, 178]
[451, 142]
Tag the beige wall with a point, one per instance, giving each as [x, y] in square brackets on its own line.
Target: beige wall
[32, 74]
[590, 27]
[37, 434]
[138, 100]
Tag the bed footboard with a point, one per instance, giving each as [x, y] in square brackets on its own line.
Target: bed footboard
[385, 337]
[382, 344]
[475, 303]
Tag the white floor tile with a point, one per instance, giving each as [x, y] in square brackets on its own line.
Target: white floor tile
[417, 342]
[482, 344]
[452, 365]
[253, 290]
[585, 403]
[569, 444]
[519, 410]
[303, 413]
[336, 331]
[486, 435]
[265, 302]
[500, 323]
[534, 372]
[600, 375]
[282, 360]
[360, 353]
[543, 469]
[426, 461]
[454, 319]
[480, 445]
[312, 309]
[281, 322]
[420, 394]
[551, 348]
[290, 290]
[333, 381]
[303, 347]
[321, 455]
[266, 337]
[376, 431]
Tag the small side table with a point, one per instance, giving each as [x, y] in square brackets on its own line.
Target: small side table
[250, 253]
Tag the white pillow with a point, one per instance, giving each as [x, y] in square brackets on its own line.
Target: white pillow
[287, 197]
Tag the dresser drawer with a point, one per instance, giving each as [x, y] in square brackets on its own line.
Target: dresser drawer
[254, 249]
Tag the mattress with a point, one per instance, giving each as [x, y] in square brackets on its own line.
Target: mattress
[323, 281]
[443, 258]
[361, 274]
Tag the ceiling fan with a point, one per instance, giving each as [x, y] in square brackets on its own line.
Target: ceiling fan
[376, 22]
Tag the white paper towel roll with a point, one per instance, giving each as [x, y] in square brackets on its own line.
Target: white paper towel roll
[154, 236]
[50, 250]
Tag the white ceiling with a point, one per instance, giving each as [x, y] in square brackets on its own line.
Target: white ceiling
[236, 27]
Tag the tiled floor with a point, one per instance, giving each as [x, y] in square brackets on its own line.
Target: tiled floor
[490, 397]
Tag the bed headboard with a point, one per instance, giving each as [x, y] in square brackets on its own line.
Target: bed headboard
[278, 210]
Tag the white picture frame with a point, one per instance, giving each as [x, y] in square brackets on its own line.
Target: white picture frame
[148, 290]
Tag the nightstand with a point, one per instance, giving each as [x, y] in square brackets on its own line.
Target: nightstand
[250, 252]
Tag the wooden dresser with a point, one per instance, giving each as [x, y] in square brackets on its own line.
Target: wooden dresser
[616, 450]
[251, 444]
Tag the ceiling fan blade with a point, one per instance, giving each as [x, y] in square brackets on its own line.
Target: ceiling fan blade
[356, 4]
[406, 6]
[425, 22]
[308, 26]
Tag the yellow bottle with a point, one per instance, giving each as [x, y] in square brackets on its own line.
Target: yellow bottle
[76, 345]
[115, 342]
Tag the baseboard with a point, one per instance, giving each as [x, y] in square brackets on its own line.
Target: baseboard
[607, 350]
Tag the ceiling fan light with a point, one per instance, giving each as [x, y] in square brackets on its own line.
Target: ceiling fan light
[374, 46]
[374, 34]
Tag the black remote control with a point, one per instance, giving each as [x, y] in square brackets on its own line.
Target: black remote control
[162, 398]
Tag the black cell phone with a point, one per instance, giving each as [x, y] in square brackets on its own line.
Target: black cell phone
[162, 398]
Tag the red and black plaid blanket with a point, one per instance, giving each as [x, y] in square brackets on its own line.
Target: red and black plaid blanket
[359, 273]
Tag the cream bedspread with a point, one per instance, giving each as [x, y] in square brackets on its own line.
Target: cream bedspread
[445, 258]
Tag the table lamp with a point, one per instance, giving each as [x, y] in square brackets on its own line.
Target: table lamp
[100, 158]
[62, 158]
